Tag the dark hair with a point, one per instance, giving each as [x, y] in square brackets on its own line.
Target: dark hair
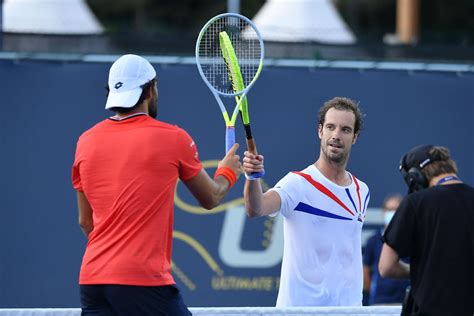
[145, 94]
[345, 104]
[441, 163]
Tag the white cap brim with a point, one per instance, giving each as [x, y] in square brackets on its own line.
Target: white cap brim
[124, 99]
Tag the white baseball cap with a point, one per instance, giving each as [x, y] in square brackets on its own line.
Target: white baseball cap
[126, 77]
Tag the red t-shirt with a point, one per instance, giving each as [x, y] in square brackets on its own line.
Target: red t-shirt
[128, 171]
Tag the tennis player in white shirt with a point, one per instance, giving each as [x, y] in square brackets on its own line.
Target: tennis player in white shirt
[324, 207]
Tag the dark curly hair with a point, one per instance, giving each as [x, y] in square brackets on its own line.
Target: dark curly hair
[345, 104]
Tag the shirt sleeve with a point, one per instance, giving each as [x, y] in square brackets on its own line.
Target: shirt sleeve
[400, 232]
[288, 188]
[189, 163]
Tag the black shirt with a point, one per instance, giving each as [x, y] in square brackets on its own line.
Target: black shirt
[435, 229]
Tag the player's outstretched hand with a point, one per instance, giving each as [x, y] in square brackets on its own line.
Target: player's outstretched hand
[252, 163]
[232, 160]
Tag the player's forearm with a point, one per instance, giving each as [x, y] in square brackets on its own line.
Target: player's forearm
[253, 197]
[210, 192]
[222, 186]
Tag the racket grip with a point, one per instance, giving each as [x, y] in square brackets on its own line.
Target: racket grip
[251, 146]
[253, 149]
[229, 138]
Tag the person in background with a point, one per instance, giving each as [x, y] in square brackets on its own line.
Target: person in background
[433, 227]
[382, 290]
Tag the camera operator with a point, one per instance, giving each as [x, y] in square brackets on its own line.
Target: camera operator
[434, 227]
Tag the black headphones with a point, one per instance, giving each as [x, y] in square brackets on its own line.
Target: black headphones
[411, 165]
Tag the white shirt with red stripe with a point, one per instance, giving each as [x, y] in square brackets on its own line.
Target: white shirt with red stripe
[322, 259]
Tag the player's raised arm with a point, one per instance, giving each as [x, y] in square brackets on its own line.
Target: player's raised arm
[209, 192]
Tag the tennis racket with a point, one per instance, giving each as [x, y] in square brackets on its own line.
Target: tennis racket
[229, 57]
[235, 76]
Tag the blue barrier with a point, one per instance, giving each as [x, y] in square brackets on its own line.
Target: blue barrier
[48, 103]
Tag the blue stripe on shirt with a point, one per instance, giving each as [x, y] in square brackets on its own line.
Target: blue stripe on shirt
[303, 207]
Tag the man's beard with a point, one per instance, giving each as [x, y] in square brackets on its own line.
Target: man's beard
[339, 158]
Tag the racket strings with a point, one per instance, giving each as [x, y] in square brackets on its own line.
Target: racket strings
[247, 49]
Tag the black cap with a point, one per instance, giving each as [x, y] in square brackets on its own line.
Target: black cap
[411, 165]
[418, 157]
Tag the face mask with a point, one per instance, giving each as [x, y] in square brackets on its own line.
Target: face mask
[387, 216]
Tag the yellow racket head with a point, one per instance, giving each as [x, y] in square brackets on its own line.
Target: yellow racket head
[234, 73]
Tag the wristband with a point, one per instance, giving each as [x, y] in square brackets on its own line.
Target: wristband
[227, 173]
[253, 176]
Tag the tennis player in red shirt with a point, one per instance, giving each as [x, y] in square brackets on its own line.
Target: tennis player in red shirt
[125, 172]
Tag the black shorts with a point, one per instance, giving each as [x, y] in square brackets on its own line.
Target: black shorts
[105, 300]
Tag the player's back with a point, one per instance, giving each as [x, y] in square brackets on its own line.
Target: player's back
[128, 171]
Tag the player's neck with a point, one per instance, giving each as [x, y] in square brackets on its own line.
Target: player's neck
[444, 179]
[142, 109]
[334, 172]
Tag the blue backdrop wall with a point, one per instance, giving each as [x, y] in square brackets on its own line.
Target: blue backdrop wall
[220, 258]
